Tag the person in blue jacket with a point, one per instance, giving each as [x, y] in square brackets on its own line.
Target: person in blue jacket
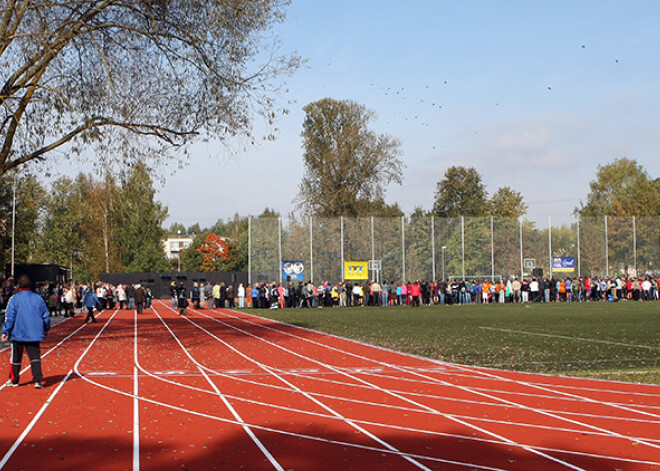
[91, 301]
[26, 323]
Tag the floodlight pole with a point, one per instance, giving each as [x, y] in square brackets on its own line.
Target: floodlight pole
[433, 247]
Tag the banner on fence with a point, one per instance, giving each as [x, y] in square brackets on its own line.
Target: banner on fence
[293, 270]
[563, 264]
[356, 270]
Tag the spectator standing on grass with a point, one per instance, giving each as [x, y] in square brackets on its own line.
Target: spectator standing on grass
[254, 294]
[26, 323]
[202, 296]
[216, 295]
[240, 292]
[230, 297]
[415, 293]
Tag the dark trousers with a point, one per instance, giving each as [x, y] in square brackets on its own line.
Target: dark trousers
[34, 354]
[90, 315]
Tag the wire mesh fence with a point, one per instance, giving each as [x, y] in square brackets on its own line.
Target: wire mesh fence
[431, 248]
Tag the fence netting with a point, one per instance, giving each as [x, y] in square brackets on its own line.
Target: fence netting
[427, 248]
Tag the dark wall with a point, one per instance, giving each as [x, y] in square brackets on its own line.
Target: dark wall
[40, 273]
[159, 283]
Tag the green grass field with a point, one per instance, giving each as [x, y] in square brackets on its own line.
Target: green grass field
[618, 341]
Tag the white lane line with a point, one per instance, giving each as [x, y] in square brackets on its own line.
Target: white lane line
[541, 334]
[459, 367]
[51, 350]
[540, 411]
[136, 421]
[34, 421]
[222, 396]
[238, 418]
[275, 375]
[376, 387]
[136, 401]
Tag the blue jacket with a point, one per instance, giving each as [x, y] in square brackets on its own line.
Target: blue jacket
[91, 299]
[27, 318]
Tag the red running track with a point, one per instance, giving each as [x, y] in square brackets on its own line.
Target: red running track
[225, 390]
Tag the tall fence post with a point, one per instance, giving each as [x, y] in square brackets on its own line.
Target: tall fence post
[311, 249]
[341, 230]
[433, 248]
[373, 249]
[250, 250]
[634, 245]
[463, 244]
[279, 242]
[492, 250]
[550, 244]
[522, 268]
[579, 268]
[403, 250]
[607, 252]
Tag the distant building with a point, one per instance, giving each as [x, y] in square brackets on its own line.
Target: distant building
[175, 245]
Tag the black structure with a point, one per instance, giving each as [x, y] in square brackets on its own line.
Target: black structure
[40, 273]
[159, 283]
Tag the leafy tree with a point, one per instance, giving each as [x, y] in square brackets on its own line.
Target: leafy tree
[507, 203]
[29, 218]
[66, 230]
[144, 76]
[347, 166]
[140, 221]
[213, 250]
[622, 188]
[460, 193]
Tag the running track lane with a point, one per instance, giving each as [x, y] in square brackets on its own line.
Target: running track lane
[223, 389]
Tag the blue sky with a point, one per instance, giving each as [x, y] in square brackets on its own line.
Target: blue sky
[534, 95]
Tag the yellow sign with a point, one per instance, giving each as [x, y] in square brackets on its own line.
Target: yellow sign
[356, 270]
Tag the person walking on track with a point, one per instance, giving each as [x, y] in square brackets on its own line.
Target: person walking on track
[26, 323]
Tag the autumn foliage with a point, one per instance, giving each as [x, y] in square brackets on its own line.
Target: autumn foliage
[213, 250]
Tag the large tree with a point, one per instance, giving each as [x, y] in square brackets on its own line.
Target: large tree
[140, 221]
[149, 75]
[622, 188]
[347, 165]
[461, 193]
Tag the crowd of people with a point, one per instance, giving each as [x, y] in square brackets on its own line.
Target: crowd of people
[450, 292]
[64, 298]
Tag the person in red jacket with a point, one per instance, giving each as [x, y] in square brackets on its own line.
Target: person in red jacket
[415, 292]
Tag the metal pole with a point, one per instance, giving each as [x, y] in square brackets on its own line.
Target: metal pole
[492, 251]
[433, 247]
[311, 249]
[250, 250]
[550, 243]
[444, 247]
[634, 222]
[403, 250]
[463, 244]
[579, 273]
[522, 268]
[373, 250]
[341, 229]
[279, 241]
[607, 253]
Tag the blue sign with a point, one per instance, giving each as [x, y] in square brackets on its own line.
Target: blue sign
[563, 264]
[293, 271]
